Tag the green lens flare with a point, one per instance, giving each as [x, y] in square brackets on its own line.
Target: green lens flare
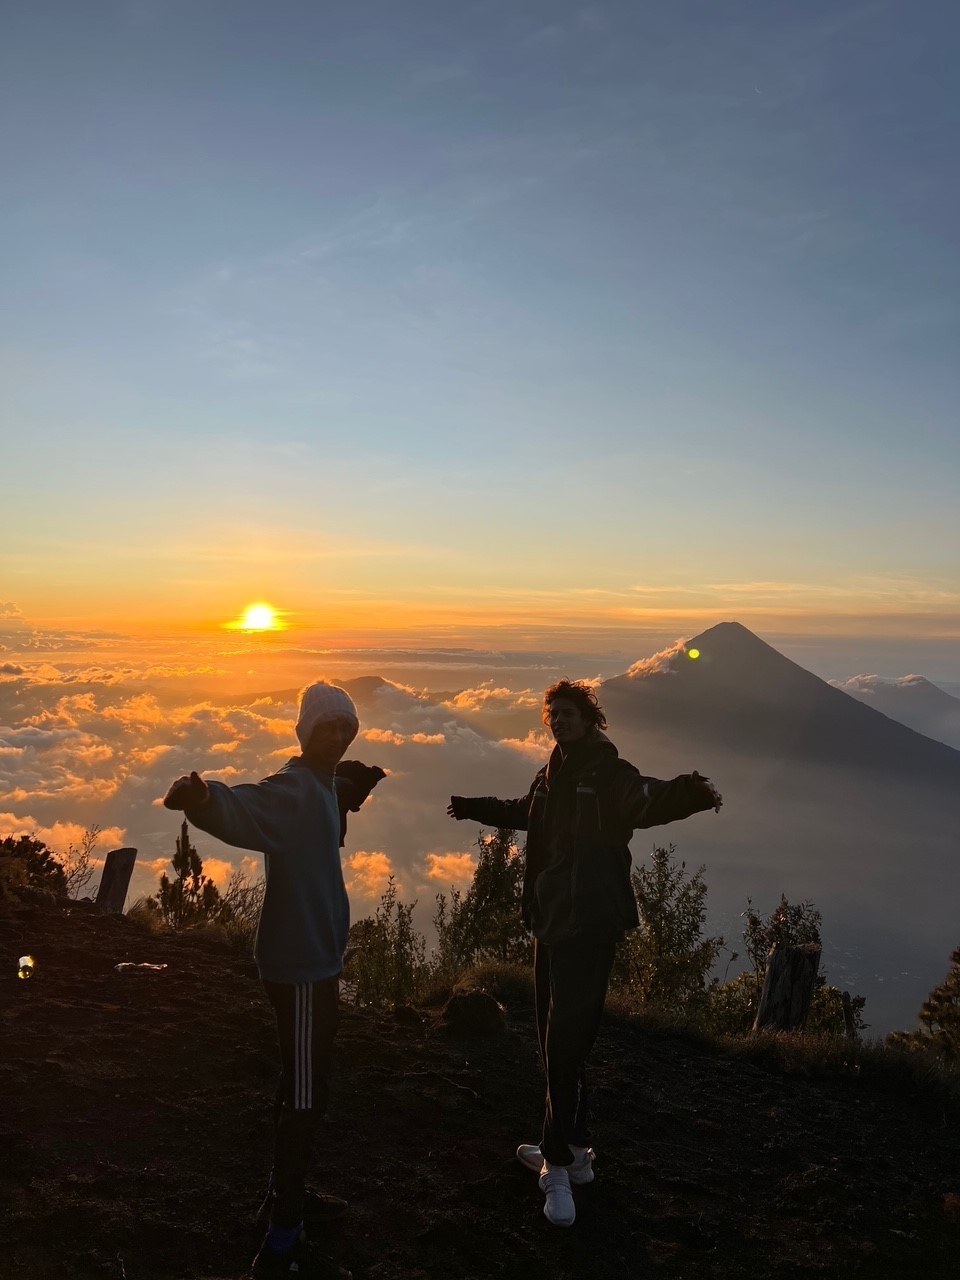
[693, 653]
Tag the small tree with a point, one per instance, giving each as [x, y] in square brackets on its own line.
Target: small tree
[665, 963]
[940, 1015]
[191, 896]
[790, 925]
[386, 956]
[78, 862]
[485, 923]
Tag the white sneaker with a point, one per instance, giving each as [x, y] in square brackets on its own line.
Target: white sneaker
[581, 1171]
[555, 1185]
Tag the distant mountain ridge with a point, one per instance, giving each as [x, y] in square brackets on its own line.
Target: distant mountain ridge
[913, 700]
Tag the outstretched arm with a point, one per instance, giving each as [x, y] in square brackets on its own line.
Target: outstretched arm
[651, 802]
[243, 816]
[491, 812]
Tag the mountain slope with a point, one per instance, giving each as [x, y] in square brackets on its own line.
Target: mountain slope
[913, 700]
[136, 1136]
[824, 799]
[744, 695]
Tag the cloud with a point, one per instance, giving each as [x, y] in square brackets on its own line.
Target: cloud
[368, 873]
[10, 670]
[10, 610]
[219, 870]
[142, 711]
[451, 868]
[662, 663]
[159, 866]
[537, 744]
[398, 739]
[107, 756]
[486, 696]
[872, 684]
[59, 836]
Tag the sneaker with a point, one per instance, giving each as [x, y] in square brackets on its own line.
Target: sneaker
[303, 1261]
[320, 1211]
[581, 1171]
[555, 1185]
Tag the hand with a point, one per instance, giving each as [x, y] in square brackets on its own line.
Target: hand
[187, 793]
[706, 785]
[455, 807]
[362, 775]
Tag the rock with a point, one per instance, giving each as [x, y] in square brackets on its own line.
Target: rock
[407, 1017]
[473, 1013]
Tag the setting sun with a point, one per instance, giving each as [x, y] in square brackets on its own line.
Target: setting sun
[258, 617]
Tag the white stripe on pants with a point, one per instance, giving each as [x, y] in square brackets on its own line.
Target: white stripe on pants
[303, 1047]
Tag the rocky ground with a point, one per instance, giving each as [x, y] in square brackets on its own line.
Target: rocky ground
[135, 1139]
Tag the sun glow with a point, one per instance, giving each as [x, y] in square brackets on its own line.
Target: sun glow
[258, 617]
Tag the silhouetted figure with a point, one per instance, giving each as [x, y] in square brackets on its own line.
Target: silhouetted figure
[297, 819]
[577, 899]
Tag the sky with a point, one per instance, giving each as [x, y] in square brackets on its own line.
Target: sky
[549, 325]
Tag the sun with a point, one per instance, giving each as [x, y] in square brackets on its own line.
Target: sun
[258, 617]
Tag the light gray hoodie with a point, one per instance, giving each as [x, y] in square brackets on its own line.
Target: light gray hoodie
[293, 819]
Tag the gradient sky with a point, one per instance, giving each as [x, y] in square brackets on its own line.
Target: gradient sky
[437, 315]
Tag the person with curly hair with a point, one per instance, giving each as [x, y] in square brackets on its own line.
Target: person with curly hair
[577, 899]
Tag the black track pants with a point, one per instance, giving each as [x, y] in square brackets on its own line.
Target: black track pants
[307, 1015]
[571, 980]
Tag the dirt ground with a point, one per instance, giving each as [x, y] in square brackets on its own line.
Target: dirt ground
[135, 1139]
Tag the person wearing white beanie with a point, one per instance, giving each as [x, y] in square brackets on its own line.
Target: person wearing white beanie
[322, 703]
[297, 819]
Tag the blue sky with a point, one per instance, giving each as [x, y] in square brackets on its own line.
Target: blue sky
[432, 306]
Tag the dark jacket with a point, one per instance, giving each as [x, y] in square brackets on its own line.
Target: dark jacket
[579, 815]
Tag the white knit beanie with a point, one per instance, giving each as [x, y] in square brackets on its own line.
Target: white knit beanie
[322, 701]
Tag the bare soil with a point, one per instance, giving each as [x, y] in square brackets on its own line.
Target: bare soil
[135, 1138]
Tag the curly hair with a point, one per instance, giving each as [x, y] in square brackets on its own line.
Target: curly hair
[579, 693]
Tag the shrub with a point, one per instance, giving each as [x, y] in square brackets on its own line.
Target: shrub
[30, 865]
[732, 1006]
[789, 925]
[485, 922]
[386, 956]
[940, 1015]
[145, 913]
[664, 964]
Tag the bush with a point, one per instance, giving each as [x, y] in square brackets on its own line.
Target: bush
[145, 914]
[485, 923]
[732, 1006]
[664, 964]
[386, 956]
[509, 984]
[940, 1015]
[27, 864]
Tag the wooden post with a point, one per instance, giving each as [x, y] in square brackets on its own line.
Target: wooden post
[788, 987]
[115, 880]
[849, 1022]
